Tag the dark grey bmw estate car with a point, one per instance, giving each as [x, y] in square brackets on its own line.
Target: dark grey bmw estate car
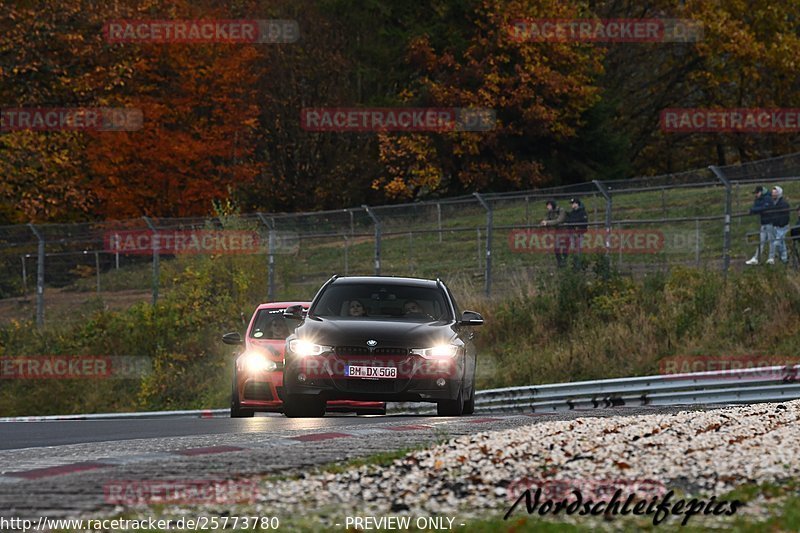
[381, 339]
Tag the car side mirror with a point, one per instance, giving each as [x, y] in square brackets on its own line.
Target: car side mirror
[471, 318]
[233, 338]
[294, 312]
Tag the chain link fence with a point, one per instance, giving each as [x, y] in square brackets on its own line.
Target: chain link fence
[698, 218]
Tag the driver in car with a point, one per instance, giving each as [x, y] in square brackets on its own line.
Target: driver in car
[277, 329]
[411, 307]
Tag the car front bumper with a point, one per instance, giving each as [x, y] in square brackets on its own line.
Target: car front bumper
[418, 379]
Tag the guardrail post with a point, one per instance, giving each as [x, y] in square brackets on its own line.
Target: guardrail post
[377, 223]
[156, 249]
[39, 277]
[604, 191]
[726, 242]
[270, 224]
[489, 224]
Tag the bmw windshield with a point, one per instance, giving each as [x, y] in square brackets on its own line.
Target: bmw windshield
[382, 302]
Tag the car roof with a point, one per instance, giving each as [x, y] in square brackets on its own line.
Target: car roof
[280, 305]
[386, 280]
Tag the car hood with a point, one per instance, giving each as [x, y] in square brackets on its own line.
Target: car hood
[395, 333]
[270, 346]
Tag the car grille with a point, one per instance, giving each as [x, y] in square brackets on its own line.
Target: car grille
[363, 350]
[254, 390]
[370, 385]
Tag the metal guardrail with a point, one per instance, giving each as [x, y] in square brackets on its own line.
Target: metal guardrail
[750, 385]
[199, 413]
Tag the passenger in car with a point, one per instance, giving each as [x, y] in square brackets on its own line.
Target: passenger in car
[357, 308]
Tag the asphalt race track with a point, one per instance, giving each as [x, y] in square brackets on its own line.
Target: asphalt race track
[63, 468]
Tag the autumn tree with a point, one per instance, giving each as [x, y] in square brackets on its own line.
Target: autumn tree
[50, 58]
[744, 58]
[538, 90]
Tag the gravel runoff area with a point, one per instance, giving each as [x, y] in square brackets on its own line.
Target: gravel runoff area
[702, 454]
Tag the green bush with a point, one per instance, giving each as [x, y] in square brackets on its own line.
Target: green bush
[570, 326]
[579, 326]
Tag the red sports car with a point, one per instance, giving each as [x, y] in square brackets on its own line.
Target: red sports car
[258, 371]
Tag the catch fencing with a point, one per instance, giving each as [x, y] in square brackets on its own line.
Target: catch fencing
[493, 241]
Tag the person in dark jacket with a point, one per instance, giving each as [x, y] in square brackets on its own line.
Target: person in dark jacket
[577, 222]
[554, 217]
[761, 207]
[794, 237]
[780, 215]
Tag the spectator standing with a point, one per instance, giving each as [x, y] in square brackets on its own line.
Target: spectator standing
[762, 206]
[780, 212]
[794, 236]
[554, 217]
[577, 222]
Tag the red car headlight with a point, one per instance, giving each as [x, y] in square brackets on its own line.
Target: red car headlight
[254, 361]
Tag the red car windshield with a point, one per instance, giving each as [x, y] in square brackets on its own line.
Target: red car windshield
[270, 324]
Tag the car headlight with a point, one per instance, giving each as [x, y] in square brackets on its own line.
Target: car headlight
[306, 348]
[438, 352]
[253, 361]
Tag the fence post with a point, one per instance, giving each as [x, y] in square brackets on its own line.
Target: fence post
[604, 191]
[156, 248]
[24, 275]
[478, 247]
[352, 222]
[527, 210]
[439, 219]
[39, 278]
[97, 269]
[346, 250]
[377, 223]
[726, 242]
[411, 251]
[697, 242]
[270, 224]
[489, 224]
[116, 253]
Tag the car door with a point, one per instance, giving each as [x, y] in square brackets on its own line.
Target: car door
[466, 334]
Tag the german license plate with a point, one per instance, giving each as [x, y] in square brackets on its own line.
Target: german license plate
[385, 372]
